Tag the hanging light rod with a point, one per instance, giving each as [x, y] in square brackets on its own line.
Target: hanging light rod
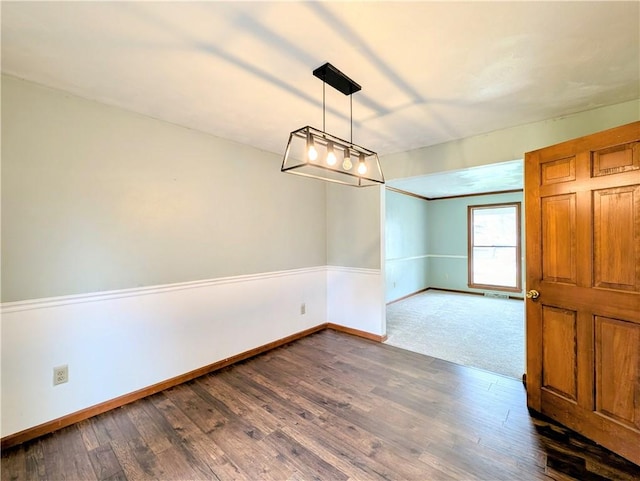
[320, 155]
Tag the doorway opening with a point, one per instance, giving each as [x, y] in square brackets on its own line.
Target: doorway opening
[454, 267]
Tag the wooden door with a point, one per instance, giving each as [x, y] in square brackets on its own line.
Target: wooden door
[582, 205]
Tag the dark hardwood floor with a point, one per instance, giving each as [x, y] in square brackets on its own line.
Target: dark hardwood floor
[330, 407]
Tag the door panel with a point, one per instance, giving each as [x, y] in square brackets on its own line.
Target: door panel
[614, 160]
[559, 350]
[561, 170]
[582, 214]
[558, 238]
[617, 370]
[616, 225]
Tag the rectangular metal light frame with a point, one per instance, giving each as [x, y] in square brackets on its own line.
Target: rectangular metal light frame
[319, 170]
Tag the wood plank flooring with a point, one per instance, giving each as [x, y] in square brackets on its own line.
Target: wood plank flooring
[327, 407]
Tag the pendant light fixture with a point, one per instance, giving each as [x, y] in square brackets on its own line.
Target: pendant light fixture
[320, 155]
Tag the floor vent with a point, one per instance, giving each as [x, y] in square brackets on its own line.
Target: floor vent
[497, 295]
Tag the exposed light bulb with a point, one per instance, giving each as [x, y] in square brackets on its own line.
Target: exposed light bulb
[346, 165]
[331, 155]
[362, 167]
[312, 153]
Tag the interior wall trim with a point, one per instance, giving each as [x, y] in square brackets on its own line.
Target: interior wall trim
[429, 199]
[47, 302]
[405, 192]
[357, 332]
[496, 192]
[409, 295]
[355, 270]
[408, 258]
[425, 256]
[73, 418]
[475, 293]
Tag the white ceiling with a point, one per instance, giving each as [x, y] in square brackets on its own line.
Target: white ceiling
[498, 177]
[430, 71]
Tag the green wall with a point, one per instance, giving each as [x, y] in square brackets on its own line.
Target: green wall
[96, 198]
[426, 242]
[353, 226]
[448, 262]
[407, 242]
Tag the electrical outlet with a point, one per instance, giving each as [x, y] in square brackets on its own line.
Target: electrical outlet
[303, 308]
[60, 375]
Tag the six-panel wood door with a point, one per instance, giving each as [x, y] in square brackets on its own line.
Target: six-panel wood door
[582, 207]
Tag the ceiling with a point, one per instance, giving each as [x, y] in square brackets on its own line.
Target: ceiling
[430, 72]
[498, 177]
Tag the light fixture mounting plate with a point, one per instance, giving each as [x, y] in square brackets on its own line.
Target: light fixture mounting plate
[334, 77]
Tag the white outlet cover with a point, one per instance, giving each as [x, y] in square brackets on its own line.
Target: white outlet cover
[60, 375]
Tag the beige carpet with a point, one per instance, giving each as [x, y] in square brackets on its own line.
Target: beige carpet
[467, 329]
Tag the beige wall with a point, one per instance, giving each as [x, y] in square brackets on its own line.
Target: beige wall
[95, 198]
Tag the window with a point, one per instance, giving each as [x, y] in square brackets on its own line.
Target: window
[494, 247]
